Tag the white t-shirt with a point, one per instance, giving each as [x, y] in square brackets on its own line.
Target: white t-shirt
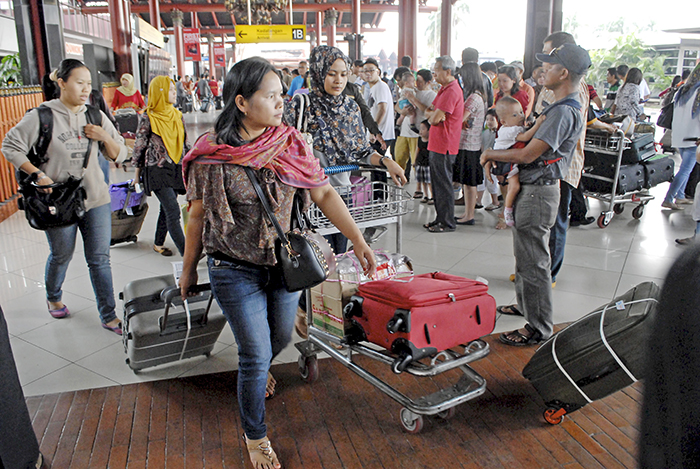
[506, 137]
[380, 93]
[644, 89]
[426, 97]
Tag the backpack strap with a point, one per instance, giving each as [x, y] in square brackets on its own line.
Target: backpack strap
[574, 103]
[37, 156]
[93, 115]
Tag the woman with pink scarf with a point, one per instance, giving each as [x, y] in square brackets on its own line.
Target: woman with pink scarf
[229, 224]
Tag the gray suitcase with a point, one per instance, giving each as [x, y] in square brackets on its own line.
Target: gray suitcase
[159, 327]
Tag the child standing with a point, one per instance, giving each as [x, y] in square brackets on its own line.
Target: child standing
[423, 164]
[488, 137]
[512, 131]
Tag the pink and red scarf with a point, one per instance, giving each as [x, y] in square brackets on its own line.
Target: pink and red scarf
[281, 149]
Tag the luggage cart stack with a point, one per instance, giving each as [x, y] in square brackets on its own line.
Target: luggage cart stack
[614, 145]
[373, 204]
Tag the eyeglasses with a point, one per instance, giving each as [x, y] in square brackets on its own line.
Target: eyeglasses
[370, 70]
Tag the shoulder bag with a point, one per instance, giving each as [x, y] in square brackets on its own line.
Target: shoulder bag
[665, 118]
[304, 256]
[64, 205]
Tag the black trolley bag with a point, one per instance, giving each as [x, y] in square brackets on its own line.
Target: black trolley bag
[630, 179]
[128, 220]
[657, 170]
[595, 356]
[159, 327]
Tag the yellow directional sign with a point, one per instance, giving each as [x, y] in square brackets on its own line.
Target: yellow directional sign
[270, 33]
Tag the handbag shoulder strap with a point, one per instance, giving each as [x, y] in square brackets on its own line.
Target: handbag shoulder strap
[266, 205]
[302, 118]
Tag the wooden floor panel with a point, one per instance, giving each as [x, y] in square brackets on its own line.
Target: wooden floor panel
[340, 421]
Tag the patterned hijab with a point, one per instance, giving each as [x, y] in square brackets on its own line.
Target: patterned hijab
[334, 121]
[689, 89]
[130, 88]
[281, 149]
[166, 121]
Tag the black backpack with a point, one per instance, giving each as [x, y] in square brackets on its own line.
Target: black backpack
[37, 153]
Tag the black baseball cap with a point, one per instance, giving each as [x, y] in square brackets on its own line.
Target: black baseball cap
[572, 57]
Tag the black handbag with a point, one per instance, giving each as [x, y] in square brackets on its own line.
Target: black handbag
[63, 206]
[665, 119]
[305, 257]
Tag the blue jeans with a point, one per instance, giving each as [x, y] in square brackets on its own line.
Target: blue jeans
[261, 314]
[96, 230]
[535, 213]
[557, 236]
[677, 188]
[169, 219]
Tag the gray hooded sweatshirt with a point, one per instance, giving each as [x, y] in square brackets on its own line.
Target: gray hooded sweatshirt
[67, 149]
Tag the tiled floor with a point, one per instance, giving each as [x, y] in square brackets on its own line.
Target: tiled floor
[76, 353]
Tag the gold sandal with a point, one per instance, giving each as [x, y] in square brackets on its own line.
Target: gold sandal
[270, 386]
[261, 454]
[300, 324]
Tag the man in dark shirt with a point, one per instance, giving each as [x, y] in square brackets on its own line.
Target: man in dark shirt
[542, 163]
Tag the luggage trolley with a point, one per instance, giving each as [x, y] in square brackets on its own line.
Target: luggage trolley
[372, 204]
[613, 144]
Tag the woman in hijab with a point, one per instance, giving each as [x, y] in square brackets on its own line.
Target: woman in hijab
[160, 144]
[335, 123]
[227, 221]
[127, 96]
[685, 137]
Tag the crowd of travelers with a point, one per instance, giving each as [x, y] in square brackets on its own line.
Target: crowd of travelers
[472, 128]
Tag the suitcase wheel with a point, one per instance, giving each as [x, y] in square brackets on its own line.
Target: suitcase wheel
[638, 212]
[308, 368]
[554, 415]
[410, 422]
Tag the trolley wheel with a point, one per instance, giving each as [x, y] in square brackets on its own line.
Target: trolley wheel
[411, 423]
[602, 221]
[552, 417]
[618, 208]
[447, 414]
[308, 368]
[638, 212]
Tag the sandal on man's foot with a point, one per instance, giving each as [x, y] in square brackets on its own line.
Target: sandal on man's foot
[417, 195]
[427, 226]
[163, 251]
[518, 339]
[270, 386]
[261, 454]
[509, 310]
[440, 228]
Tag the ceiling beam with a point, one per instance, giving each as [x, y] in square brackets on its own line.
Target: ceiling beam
[298, 7]
[232, 31]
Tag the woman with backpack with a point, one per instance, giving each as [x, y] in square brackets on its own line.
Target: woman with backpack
[161, 142]
[69, 143]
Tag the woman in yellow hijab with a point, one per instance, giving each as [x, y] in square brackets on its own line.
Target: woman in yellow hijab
[161, 142]
[127, 96]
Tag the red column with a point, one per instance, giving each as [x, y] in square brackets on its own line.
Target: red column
[179, 42]
[331, 18]
[404, 26]
[319, 28]
[410, 43]
[212, 63]
[154, 13]
[118, 11]
[446, 27]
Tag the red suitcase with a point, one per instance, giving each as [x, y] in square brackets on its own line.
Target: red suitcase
[419, 316]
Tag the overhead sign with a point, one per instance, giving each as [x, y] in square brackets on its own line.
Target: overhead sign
[148, 33]
[270, 33]
[191, 40]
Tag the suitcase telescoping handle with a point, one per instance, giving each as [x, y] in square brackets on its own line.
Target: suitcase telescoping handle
[170, 293]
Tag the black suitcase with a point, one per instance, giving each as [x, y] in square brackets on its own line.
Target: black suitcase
[127, 221]
[595, 356]
[157, 328]
[657, 170]
[127, 121]
[641, 147]
[206, 102]
[630, 179]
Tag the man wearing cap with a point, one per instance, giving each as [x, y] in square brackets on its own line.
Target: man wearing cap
[542, 163]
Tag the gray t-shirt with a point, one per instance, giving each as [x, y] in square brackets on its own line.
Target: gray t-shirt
[560, 130]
